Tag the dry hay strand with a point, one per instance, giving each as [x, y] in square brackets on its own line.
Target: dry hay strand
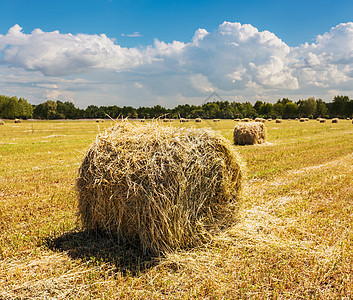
[198, 120]
[322, 120]
[2, 123]
[278, 120]
[163, 187]
[249, 133]
[335, 120]
[18, 121]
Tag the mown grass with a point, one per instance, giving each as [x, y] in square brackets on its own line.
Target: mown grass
[293, 237]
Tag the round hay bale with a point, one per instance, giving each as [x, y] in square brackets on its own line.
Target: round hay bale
[18, 121]
[260, 120]
[142, 120]
[237, 120]
[302, 119]
[322, 120]
[216, 120]
[245, 120]
[198, 120]
[335, 120]
[165, 120]
[278, 120]
[2, 123]
[164, 187]
[182, 120]
[269, 120]
[249, 133]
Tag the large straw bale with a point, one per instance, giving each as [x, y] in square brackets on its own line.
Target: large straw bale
[198, 120]
[164, 187]
[278, 120]
[335, 120]
[2, 122]
[322, 120]
[18, 121]
[249, 133]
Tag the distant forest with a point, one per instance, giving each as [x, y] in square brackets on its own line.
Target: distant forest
[341, 107]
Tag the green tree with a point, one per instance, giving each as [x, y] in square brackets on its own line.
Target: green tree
[340, 106]
[290, 110]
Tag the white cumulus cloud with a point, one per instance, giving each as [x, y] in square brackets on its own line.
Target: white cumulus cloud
[234, 59]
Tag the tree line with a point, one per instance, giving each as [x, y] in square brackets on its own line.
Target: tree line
[341, 107]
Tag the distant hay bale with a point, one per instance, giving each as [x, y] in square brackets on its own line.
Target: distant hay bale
[198, 120]
[306, 119]
[260, 120]
[322, 120]
[296, 119]
[163, 187]
[269, 119]
[335, 120]
[182, 120]
[18, 121]
[2, 122]
[278, 120]
[302, 120]
[216, 120]
[246, 120]
[166, 120]
[142, 120]
[249, 133]
[237, 120]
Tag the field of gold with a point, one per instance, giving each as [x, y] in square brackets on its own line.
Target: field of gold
[292, 237]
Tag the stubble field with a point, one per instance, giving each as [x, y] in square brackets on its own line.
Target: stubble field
[292, 239]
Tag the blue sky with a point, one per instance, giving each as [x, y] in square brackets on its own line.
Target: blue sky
[138, 53]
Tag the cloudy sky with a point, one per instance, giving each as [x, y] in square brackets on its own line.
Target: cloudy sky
[143, 53]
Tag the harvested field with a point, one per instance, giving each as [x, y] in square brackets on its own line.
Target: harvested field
[291, 238]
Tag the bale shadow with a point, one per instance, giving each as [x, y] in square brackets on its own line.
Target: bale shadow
[98, 246]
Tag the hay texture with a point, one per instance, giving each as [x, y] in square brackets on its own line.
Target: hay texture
[249, 133]
[164, 187]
